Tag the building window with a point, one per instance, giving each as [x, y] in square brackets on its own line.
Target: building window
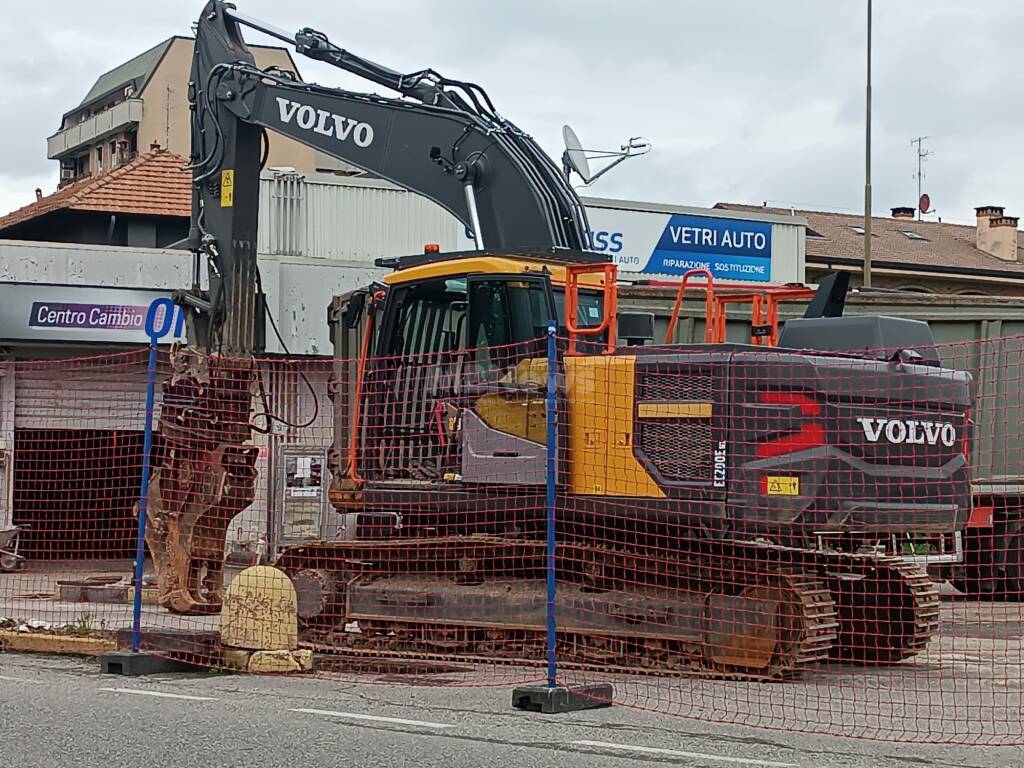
[860, 231]
[912, 235]
[114, 159]
[99, 158]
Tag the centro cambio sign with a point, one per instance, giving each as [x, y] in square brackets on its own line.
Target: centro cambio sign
[46, 314]
[78, 313]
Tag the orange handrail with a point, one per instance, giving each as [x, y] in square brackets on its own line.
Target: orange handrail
[709, 305]
[611, 309]
[764, 319]
[764, 308]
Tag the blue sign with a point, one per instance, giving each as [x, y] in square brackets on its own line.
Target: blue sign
[731, 249]
[161, 318]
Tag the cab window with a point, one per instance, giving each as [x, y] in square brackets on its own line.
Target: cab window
[496, 320]
[507, 317]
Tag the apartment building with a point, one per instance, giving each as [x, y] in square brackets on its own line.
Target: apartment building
[145, 102]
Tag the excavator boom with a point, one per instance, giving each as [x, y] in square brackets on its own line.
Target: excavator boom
[440, 138]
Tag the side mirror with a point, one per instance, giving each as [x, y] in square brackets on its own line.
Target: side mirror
[636, 328]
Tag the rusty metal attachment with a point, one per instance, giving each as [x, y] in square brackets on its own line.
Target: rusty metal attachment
[204, 475]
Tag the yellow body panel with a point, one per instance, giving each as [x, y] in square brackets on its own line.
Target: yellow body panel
[495, 265]
[692, 410]
[520, 414]
[600, 412]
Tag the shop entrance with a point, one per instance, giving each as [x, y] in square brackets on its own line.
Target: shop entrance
[75, 489]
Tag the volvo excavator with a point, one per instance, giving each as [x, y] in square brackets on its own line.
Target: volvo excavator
[675, 553]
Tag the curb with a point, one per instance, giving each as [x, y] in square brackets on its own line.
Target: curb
[61, 645]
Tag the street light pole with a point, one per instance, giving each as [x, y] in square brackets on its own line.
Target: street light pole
[867, 168]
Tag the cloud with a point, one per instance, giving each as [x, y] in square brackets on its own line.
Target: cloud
[744, 101]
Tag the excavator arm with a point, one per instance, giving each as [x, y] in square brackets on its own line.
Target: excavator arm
[441, 138]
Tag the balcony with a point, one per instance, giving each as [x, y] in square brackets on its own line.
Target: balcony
[117, 118]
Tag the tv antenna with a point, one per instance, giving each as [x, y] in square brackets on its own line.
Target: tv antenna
[576, 158]
[922, 156]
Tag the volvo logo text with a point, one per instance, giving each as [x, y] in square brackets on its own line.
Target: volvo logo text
[325, 123]
[909, 432]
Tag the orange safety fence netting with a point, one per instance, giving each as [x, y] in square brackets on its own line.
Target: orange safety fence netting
[757, 536]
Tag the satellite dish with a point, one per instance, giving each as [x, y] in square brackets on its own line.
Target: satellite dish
[574, 157]
[924, 205]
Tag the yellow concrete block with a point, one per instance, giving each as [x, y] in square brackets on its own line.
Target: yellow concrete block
[305, 659]
[260, 611]
[150, 595]
[273, 662]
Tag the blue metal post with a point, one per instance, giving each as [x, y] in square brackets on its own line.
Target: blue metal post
[154, 334]
[140, 537]
[552, 478]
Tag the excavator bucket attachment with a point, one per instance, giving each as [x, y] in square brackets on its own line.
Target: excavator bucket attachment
[205, 475]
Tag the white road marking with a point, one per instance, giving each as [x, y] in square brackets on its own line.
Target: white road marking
[374, 718]
[677, 753]
[157, 694]
[14, 679]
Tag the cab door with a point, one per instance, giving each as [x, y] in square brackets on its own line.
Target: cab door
[501, 400]
[453, 369]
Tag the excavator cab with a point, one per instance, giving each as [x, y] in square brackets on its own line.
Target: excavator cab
[455, 377]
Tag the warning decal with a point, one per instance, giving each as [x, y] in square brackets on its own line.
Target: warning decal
[778, 485]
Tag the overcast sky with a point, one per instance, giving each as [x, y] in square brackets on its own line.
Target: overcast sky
[744, 100]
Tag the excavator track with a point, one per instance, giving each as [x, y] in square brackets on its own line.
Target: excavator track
[890, 616]
[468, 596]
[887, 608]
[479, 597]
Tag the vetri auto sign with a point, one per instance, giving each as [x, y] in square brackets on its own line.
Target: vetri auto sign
[673, 244]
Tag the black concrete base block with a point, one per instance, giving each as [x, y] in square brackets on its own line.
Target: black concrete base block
[551, 701]
[131, 664]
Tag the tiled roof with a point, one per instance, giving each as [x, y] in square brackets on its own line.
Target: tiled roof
[946, 246]
[153, 184]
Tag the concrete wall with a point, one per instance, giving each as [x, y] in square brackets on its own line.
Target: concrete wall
[919, 282]
[298, 289]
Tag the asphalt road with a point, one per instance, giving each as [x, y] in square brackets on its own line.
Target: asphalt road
[60, 712]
